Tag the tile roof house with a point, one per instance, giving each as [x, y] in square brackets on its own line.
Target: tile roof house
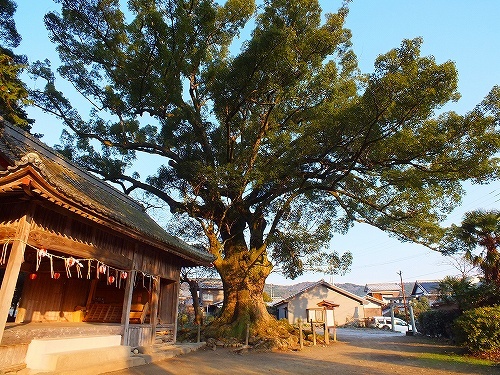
[383, 291]
[310, 302]
[211, 293]
[429, 289]
[80, 188]
[425, 288]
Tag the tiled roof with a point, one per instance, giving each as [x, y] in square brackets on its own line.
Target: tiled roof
[382, 287]
[374, 300]
[84, 189]
[429, 287]
[210, 284]
[324, 283]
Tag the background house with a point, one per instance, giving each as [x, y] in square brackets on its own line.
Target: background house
[428, 289]
[383, 291]
[348, 307]
[373, 307]
[211, 294]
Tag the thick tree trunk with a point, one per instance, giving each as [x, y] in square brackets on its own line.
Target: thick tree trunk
[193, 289]
[243, 298]
[244, 278]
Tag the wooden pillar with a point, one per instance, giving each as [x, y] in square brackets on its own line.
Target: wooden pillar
[334, 326]
[301, 335]
[177, 288]
[325, 327]
[16, 258]
[127, 302]
[90, 297]
[153, 317]
[313, 333]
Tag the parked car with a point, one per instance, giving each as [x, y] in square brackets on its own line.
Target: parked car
[384, 322]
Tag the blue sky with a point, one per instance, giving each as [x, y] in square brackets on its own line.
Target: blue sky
[465, 32]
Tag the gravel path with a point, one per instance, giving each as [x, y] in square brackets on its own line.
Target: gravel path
[357, 351]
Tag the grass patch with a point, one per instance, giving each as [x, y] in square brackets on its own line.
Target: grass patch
[456, 358]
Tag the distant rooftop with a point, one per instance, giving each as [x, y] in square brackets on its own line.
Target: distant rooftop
[382, 287]
[426, 287]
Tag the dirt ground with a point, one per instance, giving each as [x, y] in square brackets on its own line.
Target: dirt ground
[356, 351]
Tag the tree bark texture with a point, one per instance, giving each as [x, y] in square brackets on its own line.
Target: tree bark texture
[243, 272]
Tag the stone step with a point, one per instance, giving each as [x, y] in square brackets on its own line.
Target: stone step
[159, 356]
[157, 353]
[47, 354]
[100, 368]
[88, 357]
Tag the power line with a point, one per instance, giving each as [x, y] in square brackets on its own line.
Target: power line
[393, 261]
[431, 273]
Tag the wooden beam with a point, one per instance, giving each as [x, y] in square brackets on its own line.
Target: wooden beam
[153, 315]
[7, 232]
[77, 249]
[127, 302]
[11, 276]
[177, 288]
[127, 298]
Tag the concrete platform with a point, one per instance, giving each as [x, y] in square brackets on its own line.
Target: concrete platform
[18, 336]
[63, 353]
[71, 363]
[55, 342]
[87, 362]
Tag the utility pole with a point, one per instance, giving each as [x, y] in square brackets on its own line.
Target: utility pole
[404, 297]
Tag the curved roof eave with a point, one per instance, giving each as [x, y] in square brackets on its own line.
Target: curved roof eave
[89, 193]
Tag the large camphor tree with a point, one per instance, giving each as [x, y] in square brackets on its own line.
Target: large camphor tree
[269, 147]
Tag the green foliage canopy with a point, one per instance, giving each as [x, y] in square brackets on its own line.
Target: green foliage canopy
[8, 32]
[271, 148]
[478, 238]
[13, 92]
[463, 294]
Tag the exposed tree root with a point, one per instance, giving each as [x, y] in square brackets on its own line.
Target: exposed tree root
[272, 335]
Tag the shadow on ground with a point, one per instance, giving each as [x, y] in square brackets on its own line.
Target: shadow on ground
[355, 353]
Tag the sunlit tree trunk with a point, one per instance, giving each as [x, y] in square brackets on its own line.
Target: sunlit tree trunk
[243, 272]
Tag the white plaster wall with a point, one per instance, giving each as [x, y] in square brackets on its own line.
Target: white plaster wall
[348, 309]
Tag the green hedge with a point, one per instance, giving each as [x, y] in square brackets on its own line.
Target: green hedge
[437, 323]
[479, 329]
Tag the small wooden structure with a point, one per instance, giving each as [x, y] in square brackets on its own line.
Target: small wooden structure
[73, 248]
[329, 312]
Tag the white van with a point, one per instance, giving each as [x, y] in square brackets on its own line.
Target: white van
[384, 322]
